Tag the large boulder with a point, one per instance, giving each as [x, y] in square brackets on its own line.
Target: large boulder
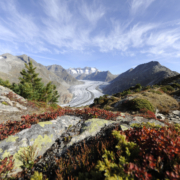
[7, 105]
[42, 134]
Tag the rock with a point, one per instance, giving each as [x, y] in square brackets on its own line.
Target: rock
[176, 112]
[12, 106]
[4, 91]
[6, 100]
[19, 106]
[156, 122]
[6, 108]
[123, 100]
[160, 116]
[42, 134]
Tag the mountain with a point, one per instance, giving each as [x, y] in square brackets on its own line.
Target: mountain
[11, 66]
[146, 74]
[62, 73]
[79, 71]
[99, 76]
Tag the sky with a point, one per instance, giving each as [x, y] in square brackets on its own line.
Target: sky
[113, 35]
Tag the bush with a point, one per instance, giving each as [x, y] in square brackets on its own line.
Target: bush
[96, 101]
[167, 88]
[109, 101]
[117, 95]
[157, 92]
[138, 86]
[138, 104]
[137, 90]
[147, 87]
[100, 101]
[124, 93]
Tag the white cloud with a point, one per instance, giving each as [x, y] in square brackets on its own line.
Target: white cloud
[92, 13]
[138, 6]
[66, 26]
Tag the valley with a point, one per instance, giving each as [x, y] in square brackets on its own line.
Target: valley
[84, 94]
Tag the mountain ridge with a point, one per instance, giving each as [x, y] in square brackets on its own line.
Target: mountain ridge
[11, 66]
[146, 74]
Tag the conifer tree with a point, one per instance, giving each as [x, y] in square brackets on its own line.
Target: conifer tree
[31, 84]
[31, 87]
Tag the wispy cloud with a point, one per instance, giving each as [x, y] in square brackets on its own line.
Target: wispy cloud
[86, 26]
[138, 6]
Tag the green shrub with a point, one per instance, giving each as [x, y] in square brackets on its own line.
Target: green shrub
[107, 108]
[109, 101]
[37, 176]
[176, 85]
[138, 86]
[100, 101]
[167, 88]
[164, 89]
[138, 104]
[137, 90]
[117, 95]
[5, 83]
[147, 87]
[113, 98]
[54, 106]
[124, 93]
[115, 170]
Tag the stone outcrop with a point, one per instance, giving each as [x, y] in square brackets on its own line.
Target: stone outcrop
[42, 134]
[6, 105]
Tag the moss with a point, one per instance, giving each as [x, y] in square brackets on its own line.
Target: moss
[138, 104]
[5, 103]
[43, 123]
[69, 127]
[147, 125]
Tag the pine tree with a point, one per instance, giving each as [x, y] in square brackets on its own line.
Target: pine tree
[31, 84]
[31, 87]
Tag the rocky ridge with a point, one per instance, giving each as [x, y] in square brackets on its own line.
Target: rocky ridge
[145, 74]
[62, 73]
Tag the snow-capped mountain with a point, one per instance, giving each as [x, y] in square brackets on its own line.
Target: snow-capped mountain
[79, 71]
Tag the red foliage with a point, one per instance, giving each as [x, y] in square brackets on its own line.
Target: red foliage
[6, 165]
[159, 153]
[147, 114]
[13, 127]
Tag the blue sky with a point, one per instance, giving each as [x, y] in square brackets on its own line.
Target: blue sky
[113, 35]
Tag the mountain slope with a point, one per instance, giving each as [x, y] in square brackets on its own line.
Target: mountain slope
[11, 66]
[62, 73]
[145, 74]
[100, 76]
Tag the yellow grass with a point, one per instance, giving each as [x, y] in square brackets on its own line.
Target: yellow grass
[162, 101]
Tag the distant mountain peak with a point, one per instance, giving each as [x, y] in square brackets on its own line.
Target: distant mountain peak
[82, 71]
